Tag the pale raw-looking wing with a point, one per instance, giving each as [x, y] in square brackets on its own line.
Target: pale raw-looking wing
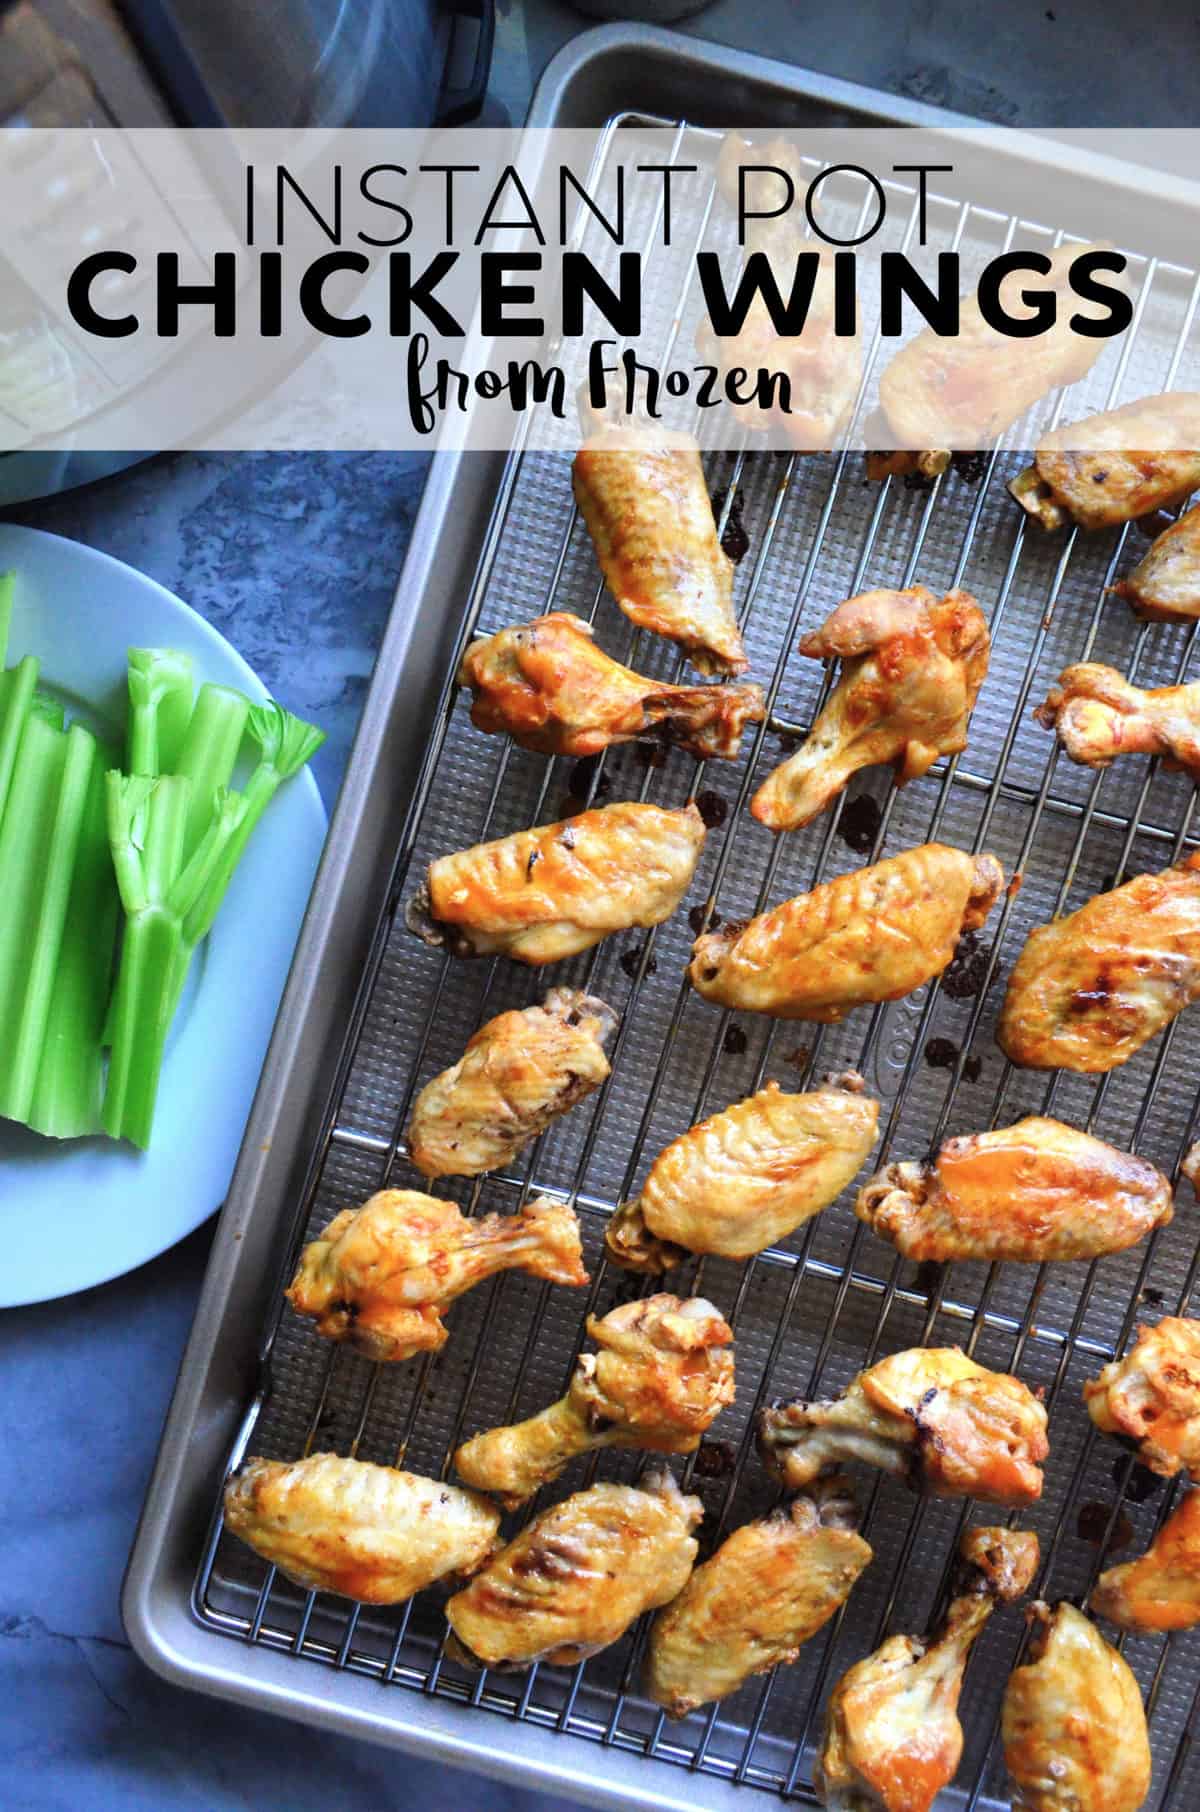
[1152, 1397]
[1160, 1590]
[1097, 715]
[1164, 587]
[1142, 457]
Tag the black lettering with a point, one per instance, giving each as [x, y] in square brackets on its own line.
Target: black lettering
[220, 295]
[898, 279]
[921, 171]
[1118, 303]
[666, 171]
[495, 293]
[567, 178]
[403, 292]
[621, 309]
[312, 295]
[745, 213]
[810, 204]
[510, 177]
[845, 295]
[368, 193]
[79, 295]
[1042, 302]
[284, 180]
[270, 295]
[757, 278]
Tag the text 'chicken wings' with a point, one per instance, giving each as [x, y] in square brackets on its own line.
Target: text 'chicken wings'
[1164, 587]
[1090, 474]
[1161, 1589]
[1152, 1397]
[912, 666]
[1097, 715]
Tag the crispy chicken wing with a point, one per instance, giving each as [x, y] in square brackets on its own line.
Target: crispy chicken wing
[766, 1590]
[518, 1073]
[661, 1377]
[1074, 1730]
[545, 894]
[1165, 586]
[575, 1578]
[367, 1532]
[1161, 1589]
[1091, 474]
[874, 934]
[1152, 1397]
[930, 1415]
[1030, 1193]
[1097, 715]
[380, 1277]
[912, 668]
[1088, 990]
[747, 1177]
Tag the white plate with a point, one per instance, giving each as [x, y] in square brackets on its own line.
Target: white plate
[75, 1214]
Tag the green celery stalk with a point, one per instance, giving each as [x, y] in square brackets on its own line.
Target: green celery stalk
[160, 708]
[209, 754]
[17, 688]
[51, 710]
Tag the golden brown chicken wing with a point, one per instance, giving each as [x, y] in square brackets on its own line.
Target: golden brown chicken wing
[1087, 991]
[1097, 715]
[912, 668]
[380, 1277]
[662, 1375]
[1091, 474]
[1165, 586]
[930, 1415]
[747, 1177]
[875, 934]
[1074, 1729]
[1152, 1397]
[575, 1579]
[367, 1532]
[518, 1073]
[1030, 1193]
[766, 1590]
[545, 894]
[1161, 1589]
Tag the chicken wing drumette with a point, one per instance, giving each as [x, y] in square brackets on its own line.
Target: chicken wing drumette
[1097, 715]
[545, 894]
[874, 934]
[575, 1578]
[548, 686]
[662, 1375]
[766, 1590]
[518, 1073]
[380, 1277]
[1164, 587]
[943, 1424]
[1090, 474]
[1030, 1193]
[892, 1739]
[1160, 1590]
[1152, 1397]
[367, 1532]
[912, 668]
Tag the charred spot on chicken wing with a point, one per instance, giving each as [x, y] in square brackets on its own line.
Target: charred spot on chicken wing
[1091, 474]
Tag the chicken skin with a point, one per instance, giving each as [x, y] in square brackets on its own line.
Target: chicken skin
[1097, 715]
[892, 1739]
[661, 1376]
[542, 895]
[367, 1532]
[1087, 991]
[646, 505]
[1091, 475]
[1074, 1730]
[1031, 1193]
[1165, 586]
[519, 1072]
[747, 1177]
[912, 666]
[875, 934]
[577, 1577]
[1161, 1589]
[943, 1424]
[1152, 1397]
[766, 1590]
[380, 1277]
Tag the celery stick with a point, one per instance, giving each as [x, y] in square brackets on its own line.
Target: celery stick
[8, 587]
[209, 754]
[50, 710]
[160, 707]
[17, 688]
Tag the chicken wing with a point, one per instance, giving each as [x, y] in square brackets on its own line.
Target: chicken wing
[943, 1424]
[380, 1277]
[1087, 991]
[1097, 715]
[366, 1532]
[1030, 1193]
[1152, 1397]
[747, 1177]
[912, 666]
[662, 1375]
[577, 1577]
[545, 894]
[1161, 1589]
[1165, 586]
[1091, 474]
[892, 1739]
[548, 686]
[766, 1590]
[518, 1073]
[1074, 1730]
[875, 934]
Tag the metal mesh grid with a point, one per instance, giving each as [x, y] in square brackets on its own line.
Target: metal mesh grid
[812, 1312]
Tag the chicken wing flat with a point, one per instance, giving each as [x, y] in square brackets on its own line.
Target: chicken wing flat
[519, 1072]
[577, 1577]
[661, 1376]
[647, 509]
[1088, 990]
[912, 666]
[1025, 1194]
[747, 1177]
[1161, 1589]
[875, 934]
[1074, 1730]
[943, 1424]
[1165, 586]
[1090, 474]
[380, 1277]
[366, 1532]
[1152, 1397]
[545, 894]
[766, 1590]
[1097, 715]
[548, 686]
